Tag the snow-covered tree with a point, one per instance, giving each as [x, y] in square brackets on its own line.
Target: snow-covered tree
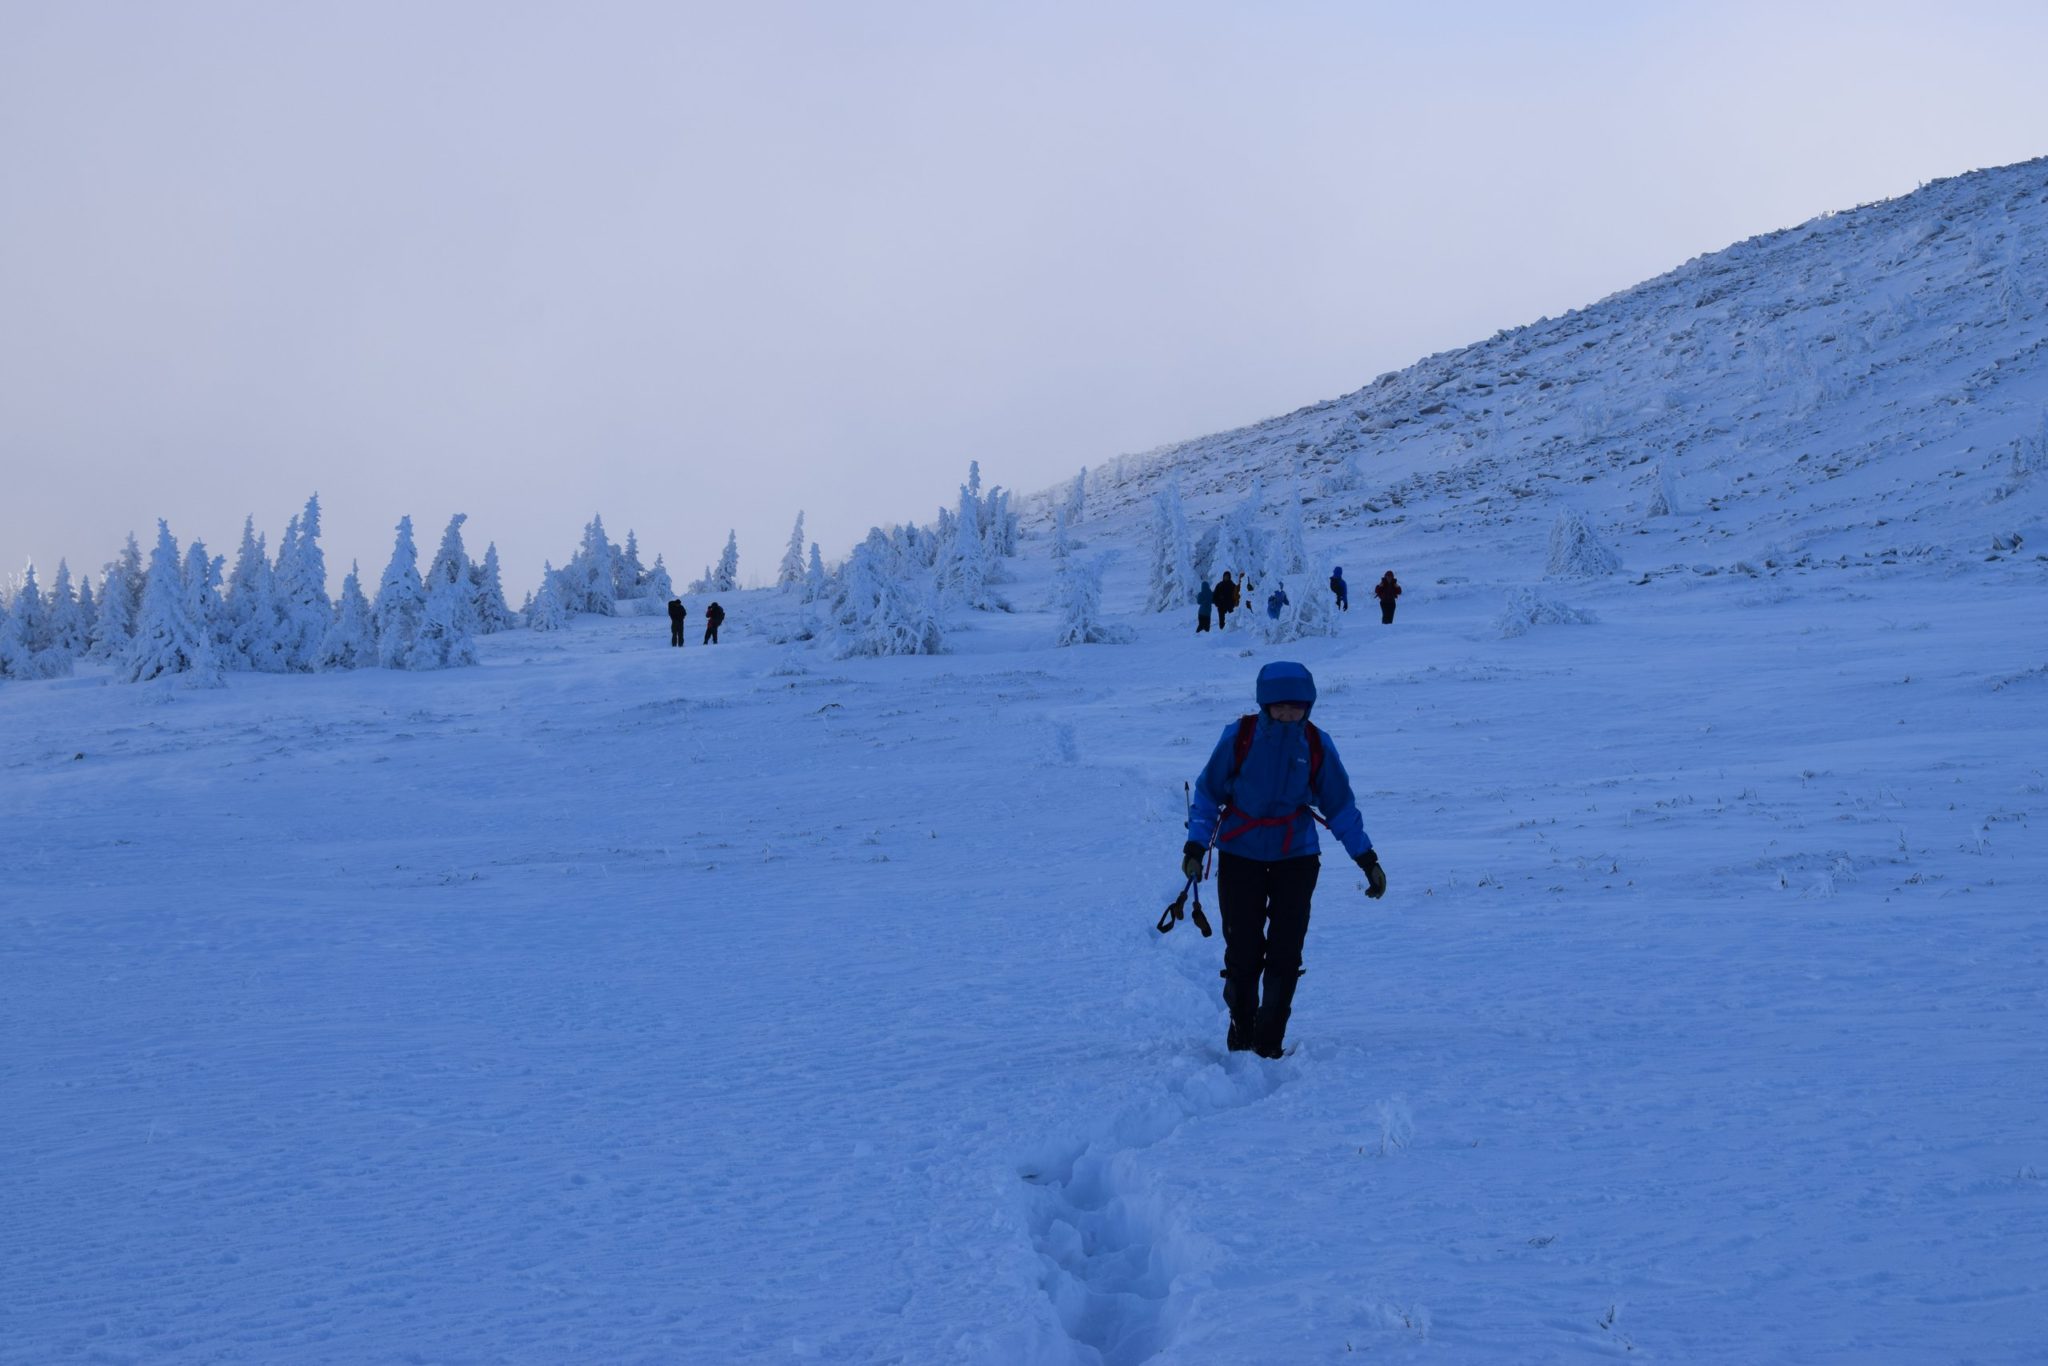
[67, 621]
[1576, 551]
[171, 637]
[1171, 585]
[974, 479]
[1663, 493]
[451, 566]
[304, 610]
[880, 611]
[962, 565]
[790, 574]
[629, 576]
[248, 635]
[445, 639]
[1077, 591]
[1062, 543]
[546, 612]
[656, 585]
[27, 641]
[1077, 498]
[1240, 545]
[999, 524]
[726, 578]
[401, 601]
[88, 612]
[351, 640]
[1309, 610]
[817, 584]
[121, 589]
[589, 581]
[201, 573]
[487, 594]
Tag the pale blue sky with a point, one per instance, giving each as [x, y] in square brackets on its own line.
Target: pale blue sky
[697, 266]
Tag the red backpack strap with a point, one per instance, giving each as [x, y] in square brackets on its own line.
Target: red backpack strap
[1315, 754]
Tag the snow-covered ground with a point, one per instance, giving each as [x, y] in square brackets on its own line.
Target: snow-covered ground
[615, 1003]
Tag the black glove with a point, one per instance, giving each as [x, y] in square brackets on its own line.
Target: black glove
[1191, 860]
[1375, 876]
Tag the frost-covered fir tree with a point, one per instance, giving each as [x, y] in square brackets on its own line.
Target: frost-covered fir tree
[1077, 593]
[962, 565]
[817, 584]
[121, 588]
[546, 612]
[304, 610]
[1240, 545]
[27, 643]
[249, 633]
[999, 523]
[1171, 584]
[629, 576]
[881, 611]
[1576, 550]
[88, 612]
[444, 639]
[656, 585]
[351, 639]
[401, 601]
[1309, 610]
[1663, 493]
[202, 575]
[1062, 543]
[487, 593]
[67, 620]
[588, 582]
[170, 638]
[726, 578]
[1077, 498]
[451, 566]
[790, 573]
[974, 479]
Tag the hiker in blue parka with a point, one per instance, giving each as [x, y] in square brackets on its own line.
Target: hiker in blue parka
[1253, 802]
[1340, 589]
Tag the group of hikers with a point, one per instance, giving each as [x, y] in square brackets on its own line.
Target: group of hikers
[713, 616]
[1227, 595]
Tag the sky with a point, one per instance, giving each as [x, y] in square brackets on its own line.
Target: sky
[699, 267]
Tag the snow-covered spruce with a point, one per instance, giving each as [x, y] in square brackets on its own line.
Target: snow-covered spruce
[880, 609]
[1170, 585]
[351, 640]
[817, 584]
[726, 578]
[27, 648]
[789, 575]
[1077, 594]
[120, 605]
[445, 639]
[546, 612]
[172, 637]
[1308, 609]
[304, 611]
[247, 636]
[68, 626]
[487, 592]
[401, 601]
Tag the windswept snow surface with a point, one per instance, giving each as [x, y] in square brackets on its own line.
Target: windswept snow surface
[620, 1003]
[616, 1003]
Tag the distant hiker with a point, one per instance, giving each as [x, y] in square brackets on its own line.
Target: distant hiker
[1204, 600]
[1225, 598]
[713, 615]
[1386, 591]
[1253, 802]
[1341, 589]
[676, 613]
[1276, 601]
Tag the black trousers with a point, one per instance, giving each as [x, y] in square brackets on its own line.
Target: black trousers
[1265, 920]
[711, 633]
[1222, 616]
[675, 633]
[1202, 620]
[1387, 612]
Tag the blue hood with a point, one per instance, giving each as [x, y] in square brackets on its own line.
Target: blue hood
[1285, 681]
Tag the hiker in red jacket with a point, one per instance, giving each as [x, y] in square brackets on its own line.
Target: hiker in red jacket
[1386, 591]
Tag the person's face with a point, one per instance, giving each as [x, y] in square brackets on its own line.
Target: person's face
[1286, 711]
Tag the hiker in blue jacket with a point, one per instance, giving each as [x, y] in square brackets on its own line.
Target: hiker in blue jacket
[1340, 589]
[1253, 802]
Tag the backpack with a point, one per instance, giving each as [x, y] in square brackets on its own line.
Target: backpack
[1242, 745]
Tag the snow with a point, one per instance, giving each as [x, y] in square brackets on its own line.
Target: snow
[612, 1002]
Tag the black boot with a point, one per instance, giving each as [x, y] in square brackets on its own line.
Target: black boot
[1240, 1040]
[1270, 1033]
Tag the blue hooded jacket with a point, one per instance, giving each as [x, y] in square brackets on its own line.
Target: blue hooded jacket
[1274, 783]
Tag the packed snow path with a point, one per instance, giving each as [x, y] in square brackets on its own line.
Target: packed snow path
[620, 1003]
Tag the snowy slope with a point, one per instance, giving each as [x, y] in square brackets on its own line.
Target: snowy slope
[1849, 390]
[615, 1003]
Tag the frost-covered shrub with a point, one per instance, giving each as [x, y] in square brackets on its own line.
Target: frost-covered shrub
[879, 609]
[1663, 494]
[1526, 608]
[1576, 551]
[1077, 594]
